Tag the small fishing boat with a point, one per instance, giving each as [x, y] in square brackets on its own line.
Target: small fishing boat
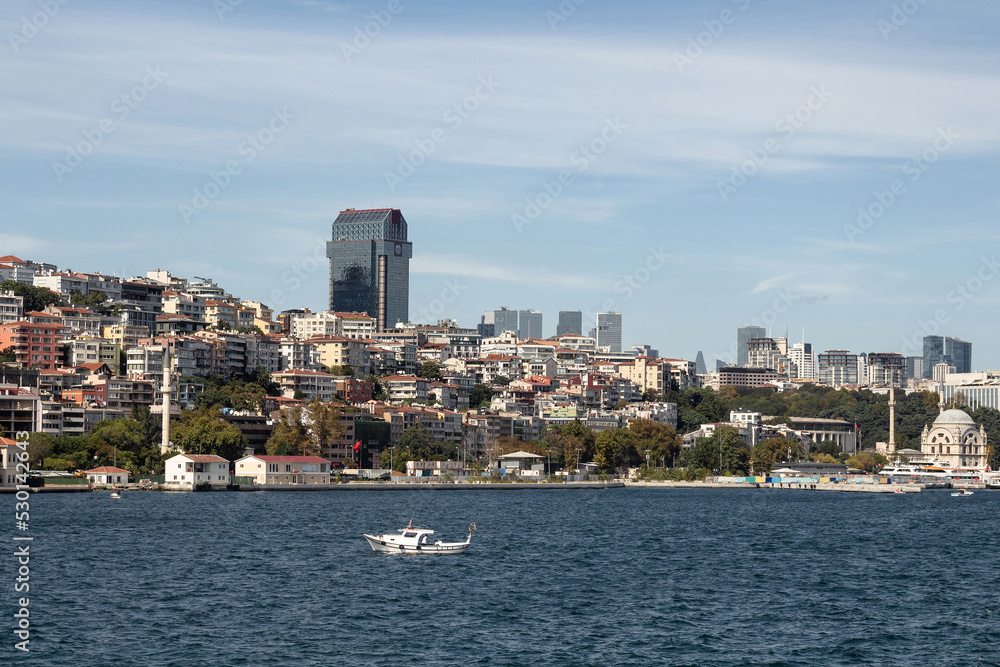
[116, 494]
[411, 540]
[961, 492]
[899, 491]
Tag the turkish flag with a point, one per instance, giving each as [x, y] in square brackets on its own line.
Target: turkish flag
[357, 446]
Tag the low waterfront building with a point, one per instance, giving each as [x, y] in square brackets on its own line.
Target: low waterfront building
[297, 470]
[196, 469]
[8, 462]
[107, 475]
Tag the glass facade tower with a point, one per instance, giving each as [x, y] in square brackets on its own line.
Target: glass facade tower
[370, 265]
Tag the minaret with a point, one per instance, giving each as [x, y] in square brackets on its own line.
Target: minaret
[165, 440]
[892, 420]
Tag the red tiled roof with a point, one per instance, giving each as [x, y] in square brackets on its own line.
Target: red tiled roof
[106, 469]
[13, 259]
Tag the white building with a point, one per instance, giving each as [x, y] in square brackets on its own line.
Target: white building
[11, 307]
[801, 354]
[107, 475]
[196, 469]
[954, 441]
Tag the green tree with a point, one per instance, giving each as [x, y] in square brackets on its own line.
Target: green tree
[725, 452]
[325, 427]
[613, 448]
[7, 355]
[481, 393]
[341, 370]
[501, 380]
[826, 447]
[35, 298]
[661, 440]
[290, 435]
[205, 432]
[430, 370]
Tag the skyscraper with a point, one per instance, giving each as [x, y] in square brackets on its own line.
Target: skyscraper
[529, 324]
[699, 364]
[743, 336]
[933, 353]
[801, 354]
[609, 330]
[570, 322]
[504, 319]
[370, 265]
[958, 353]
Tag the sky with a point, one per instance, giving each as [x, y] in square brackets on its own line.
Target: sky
[825, 169]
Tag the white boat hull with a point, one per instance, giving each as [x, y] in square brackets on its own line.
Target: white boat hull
[380, 544]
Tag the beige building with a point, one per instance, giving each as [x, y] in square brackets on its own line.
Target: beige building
[343, 351]
[298, 470]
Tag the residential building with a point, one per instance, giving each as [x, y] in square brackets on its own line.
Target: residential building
[370, 265]
[124, 335]
[742, 376]
[886, 369]
[308, 384]
[570, 322]
[400, 387]
[34, 344]
[20, 409]
[298, 354]
[343, 351]
[281, 470]
[609, 331]
[801, 354]
[196, 470]
[183, 303]
[837, 368]
[87, 349]
[220, 314]
[143, 301]
[11, 307]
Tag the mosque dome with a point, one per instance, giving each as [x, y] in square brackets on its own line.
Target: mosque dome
[959, 417]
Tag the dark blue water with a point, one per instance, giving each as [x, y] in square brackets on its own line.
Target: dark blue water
[622, 576]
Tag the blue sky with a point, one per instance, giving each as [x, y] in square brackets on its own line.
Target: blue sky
[714, 156]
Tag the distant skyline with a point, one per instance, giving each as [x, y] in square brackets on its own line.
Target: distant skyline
[696, 167]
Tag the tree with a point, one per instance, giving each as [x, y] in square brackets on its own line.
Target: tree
[35, 298]
[661, 440]
[725, 451]
[481, 393]
[613, 448]
[652, 396]
[826, 447]
[341, 370]
[290, 435]
[863, 461]
[7, 355]
[205, 432]
[430, 370]
[501, 380]
[325, 427]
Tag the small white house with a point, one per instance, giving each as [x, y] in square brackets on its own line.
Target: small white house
[197, 469]
[107, 475]
[301, 470]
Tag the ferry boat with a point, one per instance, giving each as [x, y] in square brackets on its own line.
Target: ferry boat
[935, 471]
[412, 540]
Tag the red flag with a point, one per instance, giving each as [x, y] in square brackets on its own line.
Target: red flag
[357, 446]
[856, 426]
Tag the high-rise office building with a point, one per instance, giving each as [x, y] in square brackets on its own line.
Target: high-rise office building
[570, 322]
[933, 353]
[370, 265]
[837, 368]
[915, 367]
[503, 320]
[958, 353]
[743, 336]
[529, 324]
[609, 330]
[699, 364]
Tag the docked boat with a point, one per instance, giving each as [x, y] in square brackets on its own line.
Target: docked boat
[411, 540]
[961, 492]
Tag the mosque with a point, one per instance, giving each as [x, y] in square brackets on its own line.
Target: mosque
[952, 441]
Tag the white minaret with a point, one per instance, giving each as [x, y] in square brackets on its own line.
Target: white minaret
[165, 439]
